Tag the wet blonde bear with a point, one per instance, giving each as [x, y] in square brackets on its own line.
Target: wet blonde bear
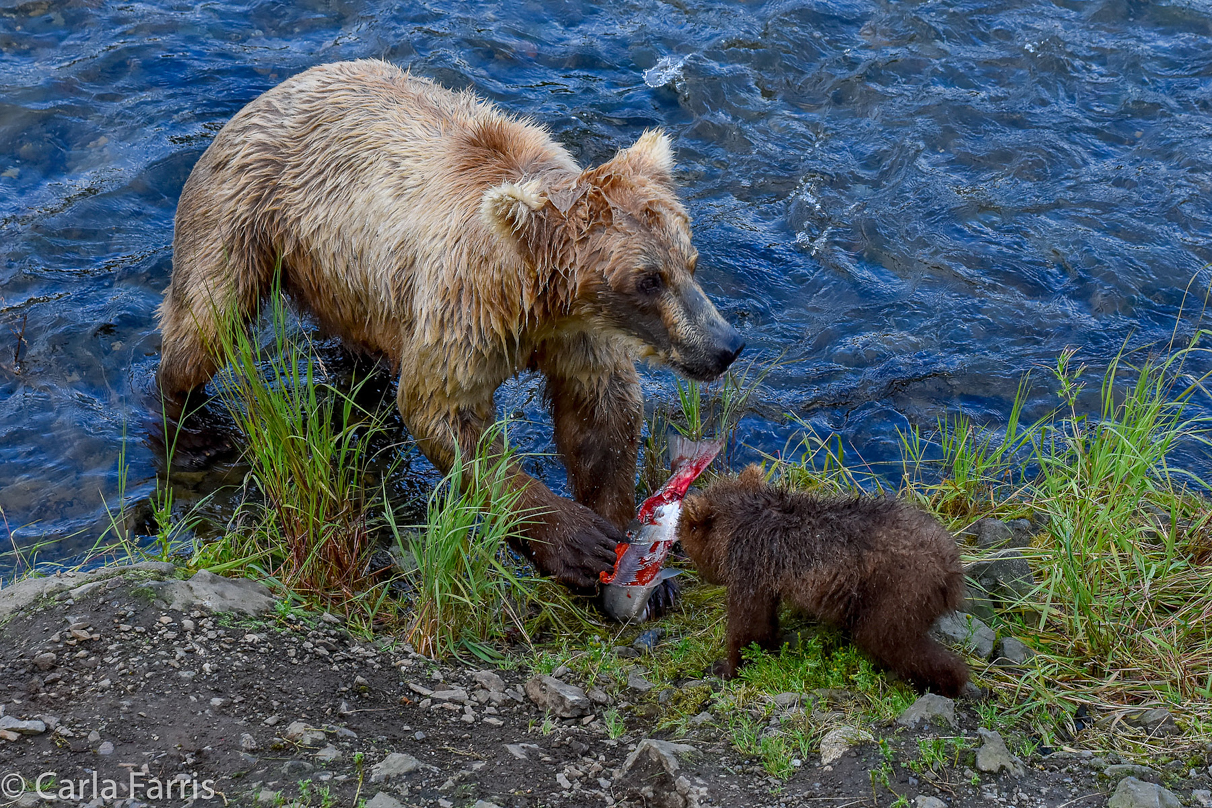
[463, 245]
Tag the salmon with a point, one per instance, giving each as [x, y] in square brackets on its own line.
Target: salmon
[638, 568]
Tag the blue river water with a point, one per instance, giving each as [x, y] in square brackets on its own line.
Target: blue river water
[912, 204]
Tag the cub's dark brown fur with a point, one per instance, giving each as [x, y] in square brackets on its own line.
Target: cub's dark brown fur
[879, 568]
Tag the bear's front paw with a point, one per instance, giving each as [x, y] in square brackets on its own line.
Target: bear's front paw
[573, 545]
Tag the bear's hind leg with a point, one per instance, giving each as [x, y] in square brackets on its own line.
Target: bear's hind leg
[910, 652]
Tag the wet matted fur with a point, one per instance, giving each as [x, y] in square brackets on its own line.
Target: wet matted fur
[879, 568]
[464, 245]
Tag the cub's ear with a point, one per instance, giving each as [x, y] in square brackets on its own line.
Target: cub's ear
[697, 512]
[651, 156]
[512, 209]
[753, 477]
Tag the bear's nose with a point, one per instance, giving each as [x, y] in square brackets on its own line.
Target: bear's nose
[730, 347]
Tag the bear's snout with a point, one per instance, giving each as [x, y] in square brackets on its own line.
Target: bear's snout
[705, 345]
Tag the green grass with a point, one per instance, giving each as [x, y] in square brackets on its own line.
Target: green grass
[469, 592]
[306, 518]
[1120, 615]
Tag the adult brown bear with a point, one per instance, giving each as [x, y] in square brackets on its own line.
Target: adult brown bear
[465, 246]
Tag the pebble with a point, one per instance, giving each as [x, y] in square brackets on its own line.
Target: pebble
[106, 748]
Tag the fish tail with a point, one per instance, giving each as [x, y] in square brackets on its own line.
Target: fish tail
[683, 450]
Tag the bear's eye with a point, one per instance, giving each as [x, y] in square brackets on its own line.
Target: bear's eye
[649, 284]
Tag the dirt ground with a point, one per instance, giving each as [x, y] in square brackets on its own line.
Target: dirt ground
[143, 704]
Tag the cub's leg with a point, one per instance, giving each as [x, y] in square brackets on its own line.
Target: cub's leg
[753, 616]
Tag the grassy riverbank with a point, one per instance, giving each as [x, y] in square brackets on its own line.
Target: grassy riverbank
[1119, 613]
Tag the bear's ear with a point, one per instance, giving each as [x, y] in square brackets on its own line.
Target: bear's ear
[511, 208]
[650, 156]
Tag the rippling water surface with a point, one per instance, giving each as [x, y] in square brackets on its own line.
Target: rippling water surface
[915, 203]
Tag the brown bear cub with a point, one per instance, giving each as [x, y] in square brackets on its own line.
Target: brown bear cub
[878, 568]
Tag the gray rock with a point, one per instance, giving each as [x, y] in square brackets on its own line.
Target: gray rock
[303, 735]
[21, 594]
[45, 661]
[636, 681]
[521, 750]
[840, 740]
[296, 768]
[647, 641]
[214, 593]
[665, 752]
[328, 754]
[1155, 721]
[1119, 771]
[106, 748]
[1132, 793]
[485, 804]
[489, 681]
[994, 534]
[928, 802]
[383, 800]
[702, 718]
[457, 695]
[1004, 576]
[929, 710]
[248, 743]
[32, 727]
[599, 696]
[397, 764]
[966, 630]
[994, 757]
[267, 797]
[649, 776]
[786, 701]
[1202, 797]
[1013, 651]
[556, 697]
